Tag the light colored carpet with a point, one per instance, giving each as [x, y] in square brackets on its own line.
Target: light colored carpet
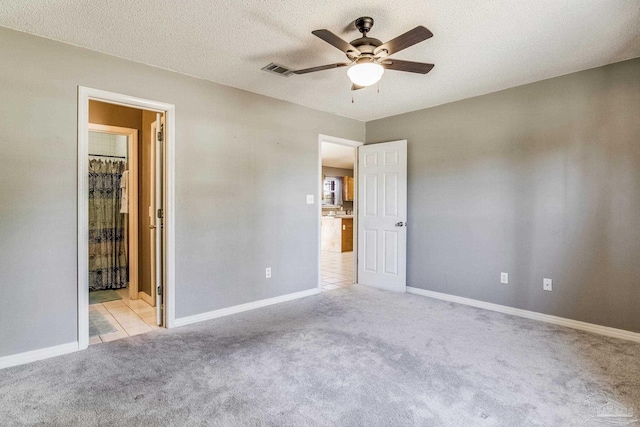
[351, 357]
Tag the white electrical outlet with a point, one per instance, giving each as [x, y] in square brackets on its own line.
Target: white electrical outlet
[504, 278]
[547, 284]
[268, 272]
[309, 199]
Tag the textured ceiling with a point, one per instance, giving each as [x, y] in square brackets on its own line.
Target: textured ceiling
[478, 46]
[338, 156]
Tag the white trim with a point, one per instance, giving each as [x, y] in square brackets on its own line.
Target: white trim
[34, 355]
[561, 321]
[83, 218]
[340, 141]
[170, 217]
[84, 95]
[243, 307]
[151, 235]
[348, 143]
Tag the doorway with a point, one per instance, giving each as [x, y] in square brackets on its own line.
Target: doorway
[113, 153]
[125, 216]
[338, 207]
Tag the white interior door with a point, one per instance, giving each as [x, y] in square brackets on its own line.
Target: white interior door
[159, 220]
[152, 212]
[382, 215]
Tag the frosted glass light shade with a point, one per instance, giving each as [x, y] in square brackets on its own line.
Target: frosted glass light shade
[365, 73]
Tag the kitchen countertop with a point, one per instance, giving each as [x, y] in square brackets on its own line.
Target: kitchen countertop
[337, 216]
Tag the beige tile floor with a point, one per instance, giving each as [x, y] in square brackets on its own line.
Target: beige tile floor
[337, 270]
[129, 317]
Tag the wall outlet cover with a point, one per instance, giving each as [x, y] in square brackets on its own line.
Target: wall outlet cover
[268, 272]
[504, 278]
[547, 284]
[309, 199]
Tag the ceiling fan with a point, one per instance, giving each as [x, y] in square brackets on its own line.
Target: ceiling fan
[369, 56]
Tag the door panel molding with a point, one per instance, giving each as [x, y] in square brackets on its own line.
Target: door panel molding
[382, 231]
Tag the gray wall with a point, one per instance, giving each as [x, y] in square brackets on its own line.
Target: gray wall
[329, 171]
[541, 180]
[234, 149]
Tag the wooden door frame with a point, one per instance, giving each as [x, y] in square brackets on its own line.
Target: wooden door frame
[84, 95]
[132, 188]
[348, 143]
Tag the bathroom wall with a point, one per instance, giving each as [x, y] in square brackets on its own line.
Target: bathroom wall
[114, 115]
[107, 144]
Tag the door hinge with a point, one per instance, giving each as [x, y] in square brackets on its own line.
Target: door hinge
[161, 133]
[159, 290]
[160, 214]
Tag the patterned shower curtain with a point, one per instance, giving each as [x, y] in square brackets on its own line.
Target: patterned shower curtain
[108, 267]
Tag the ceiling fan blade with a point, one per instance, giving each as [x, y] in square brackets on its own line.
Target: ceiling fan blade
[356, 87]
[336, 41]
[405, 40]
[321, 68]
[409, 66]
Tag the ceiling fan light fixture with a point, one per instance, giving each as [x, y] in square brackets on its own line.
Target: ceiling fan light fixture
[365, 73]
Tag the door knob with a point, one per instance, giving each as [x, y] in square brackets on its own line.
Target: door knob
[400, 224]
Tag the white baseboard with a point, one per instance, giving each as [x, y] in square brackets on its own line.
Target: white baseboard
[32, 356]
[242, 307]
[561, 321]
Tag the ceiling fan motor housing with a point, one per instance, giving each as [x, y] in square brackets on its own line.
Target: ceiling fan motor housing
[366, 45]
[364, 24]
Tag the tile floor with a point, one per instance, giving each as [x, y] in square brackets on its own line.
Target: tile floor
[337, 270]
[129, 317]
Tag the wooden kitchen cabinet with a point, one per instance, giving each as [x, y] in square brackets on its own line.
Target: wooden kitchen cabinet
[337, 234]
[347, 188]
[347, 234]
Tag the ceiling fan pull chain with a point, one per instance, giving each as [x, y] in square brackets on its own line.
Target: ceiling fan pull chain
[352, 100]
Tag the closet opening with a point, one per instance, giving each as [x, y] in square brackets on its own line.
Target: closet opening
[125, 212]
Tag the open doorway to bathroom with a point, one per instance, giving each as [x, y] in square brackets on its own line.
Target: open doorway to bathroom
[338, 207]
[122, 220]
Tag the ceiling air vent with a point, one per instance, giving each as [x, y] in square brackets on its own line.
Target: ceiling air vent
[278, 69]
